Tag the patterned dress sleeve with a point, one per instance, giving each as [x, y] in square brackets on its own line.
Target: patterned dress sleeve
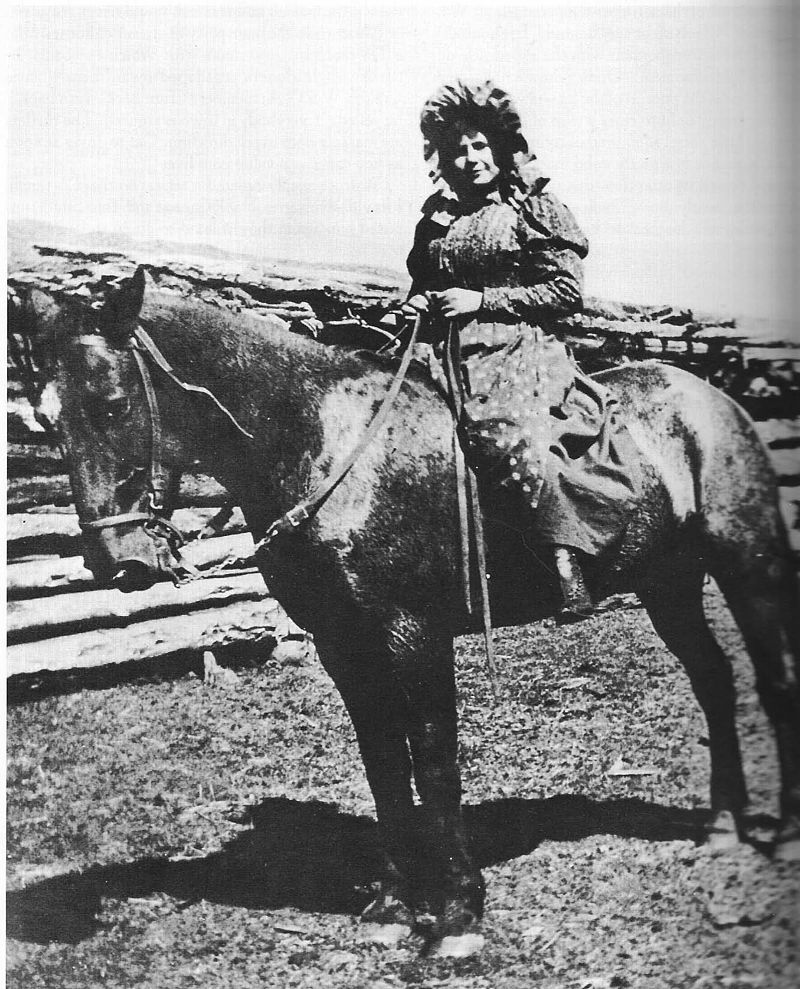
[424, 275]
[417, 261]
[550, 276]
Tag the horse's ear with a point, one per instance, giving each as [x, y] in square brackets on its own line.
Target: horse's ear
[33, 316]
[31, 312]
[35, 305]
[122, 307]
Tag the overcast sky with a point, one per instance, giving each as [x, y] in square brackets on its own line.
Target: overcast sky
[293, 132]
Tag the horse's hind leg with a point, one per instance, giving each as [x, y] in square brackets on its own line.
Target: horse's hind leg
[761, 591]
[675, 607]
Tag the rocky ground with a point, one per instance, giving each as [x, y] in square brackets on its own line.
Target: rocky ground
[165, 834]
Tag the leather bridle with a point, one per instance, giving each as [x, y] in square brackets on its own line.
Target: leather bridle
[153, 521]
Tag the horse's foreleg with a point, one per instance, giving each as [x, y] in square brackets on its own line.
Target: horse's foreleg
[422, 656]
[762, 595]
[377, 710]
[676, 610]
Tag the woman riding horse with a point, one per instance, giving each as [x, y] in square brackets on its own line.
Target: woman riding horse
[500, 259]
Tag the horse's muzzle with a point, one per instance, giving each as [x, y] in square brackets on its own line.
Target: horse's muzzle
[133, 575]
[124, 558]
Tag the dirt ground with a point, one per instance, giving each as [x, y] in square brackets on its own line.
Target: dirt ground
[162, 833]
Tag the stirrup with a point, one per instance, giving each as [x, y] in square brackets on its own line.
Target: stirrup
[576, 602]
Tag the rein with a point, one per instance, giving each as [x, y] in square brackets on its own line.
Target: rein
[467, 484]
[304, 509]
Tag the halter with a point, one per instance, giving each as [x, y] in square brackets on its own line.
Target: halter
[153, 521]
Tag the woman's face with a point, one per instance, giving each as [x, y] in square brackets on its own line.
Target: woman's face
[472, 163]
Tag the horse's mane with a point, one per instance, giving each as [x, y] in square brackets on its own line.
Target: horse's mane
[249, 330]
[50, 319]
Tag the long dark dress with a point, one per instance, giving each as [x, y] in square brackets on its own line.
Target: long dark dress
[531, 417]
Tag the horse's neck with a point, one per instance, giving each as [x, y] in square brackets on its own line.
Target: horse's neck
[214, 345]
[272, 381]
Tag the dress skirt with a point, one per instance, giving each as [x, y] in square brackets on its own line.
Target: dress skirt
[532, 419]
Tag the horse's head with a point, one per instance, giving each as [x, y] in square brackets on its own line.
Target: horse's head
[121, 460]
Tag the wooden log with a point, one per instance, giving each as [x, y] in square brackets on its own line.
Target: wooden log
[771, 406]
[207, 552]
[33, 619]
[59, 534]
[210, 628]
[41, 578]
[65, 523]
[773, 354]
[25, 524]
[21, 425]
[790, 510]
[24, 459]
[25, 492]
[753, 332]
[787, 466]
[780, 433]
[789, 499]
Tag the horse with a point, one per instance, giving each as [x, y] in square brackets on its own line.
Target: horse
[375, 574]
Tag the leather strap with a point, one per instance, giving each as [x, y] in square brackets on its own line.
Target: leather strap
[463, 520]
[483, 579]
[455, 384]
[304, 509]
[141, 337]
[111, 520]
[158, 480]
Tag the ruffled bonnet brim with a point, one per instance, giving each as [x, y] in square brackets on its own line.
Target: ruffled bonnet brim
[481, 101]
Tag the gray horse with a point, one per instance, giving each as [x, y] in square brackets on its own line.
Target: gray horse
[375, 573]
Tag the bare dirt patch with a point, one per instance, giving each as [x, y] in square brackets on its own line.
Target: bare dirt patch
[166, 834]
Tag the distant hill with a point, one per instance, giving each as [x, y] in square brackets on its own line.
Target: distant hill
[23, 234]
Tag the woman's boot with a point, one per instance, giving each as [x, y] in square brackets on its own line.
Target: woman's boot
[576, 602]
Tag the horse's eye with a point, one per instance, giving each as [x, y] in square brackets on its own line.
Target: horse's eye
[103, 412]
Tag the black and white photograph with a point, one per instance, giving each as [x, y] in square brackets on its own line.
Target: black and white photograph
[403, 496]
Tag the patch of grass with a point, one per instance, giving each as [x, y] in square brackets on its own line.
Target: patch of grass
[163, 834]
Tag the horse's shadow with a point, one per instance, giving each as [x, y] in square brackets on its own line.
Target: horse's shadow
[310, 856]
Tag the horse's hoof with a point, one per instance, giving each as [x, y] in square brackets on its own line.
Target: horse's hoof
[787, 851]
[387, 911]
[722, 834]
[787, 844]
[388, 935]
[787, 840]
[457, 946]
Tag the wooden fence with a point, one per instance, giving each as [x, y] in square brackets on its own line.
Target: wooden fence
[58, 619]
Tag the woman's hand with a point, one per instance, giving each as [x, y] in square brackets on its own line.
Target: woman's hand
[457, 301]
[416, 304]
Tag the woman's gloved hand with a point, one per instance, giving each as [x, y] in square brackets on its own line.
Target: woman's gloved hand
[451, 302]
[415, 305]
[456, 301]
